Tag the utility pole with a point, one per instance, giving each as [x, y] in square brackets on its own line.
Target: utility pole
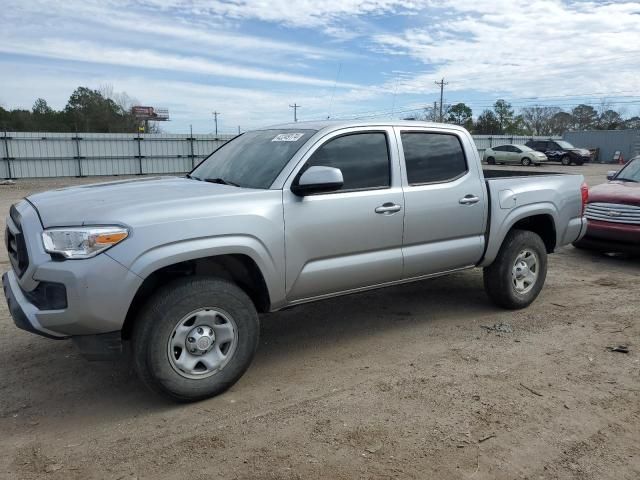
[215, 119]
[441, 83]
[295, 111]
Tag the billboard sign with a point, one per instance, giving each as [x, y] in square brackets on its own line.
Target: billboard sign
[149, 113]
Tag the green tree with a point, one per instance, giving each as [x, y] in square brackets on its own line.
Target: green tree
[460, 114]
[487, 124]
[505, 116]
[585, 117]
[610, 120]
[632, 123]
[89, 111]
[560, 123]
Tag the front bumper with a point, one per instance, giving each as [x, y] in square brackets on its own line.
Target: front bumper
[99, 290]
[611, 237]
[23, 312]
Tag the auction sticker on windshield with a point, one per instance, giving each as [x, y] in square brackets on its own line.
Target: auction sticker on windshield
[288, 137]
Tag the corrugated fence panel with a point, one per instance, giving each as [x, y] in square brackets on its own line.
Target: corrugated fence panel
[109, 154]
[165, 153]
[48, 154]
[36, 154]
[608, 142]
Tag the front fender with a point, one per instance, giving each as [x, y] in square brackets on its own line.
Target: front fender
[192, 249]
[500, 226]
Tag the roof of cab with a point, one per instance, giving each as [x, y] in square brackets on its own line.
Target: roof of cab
[339, 124]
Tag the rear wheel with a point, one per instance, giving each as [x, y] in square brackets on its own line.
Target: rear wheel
[195, 338]
[525, 162]
[517, 275]
[491, 161]
[565, 160]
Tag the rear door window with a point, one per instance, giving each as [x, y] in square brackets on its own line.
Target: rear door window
[432, 157]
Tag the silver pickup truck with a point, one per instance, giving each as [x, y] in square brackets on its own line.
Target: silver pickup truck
[176, 269]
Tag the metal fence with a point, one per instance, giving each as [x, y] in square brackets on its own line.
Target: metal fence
[46, 154]
[36, 154]
[488, 141]
[605, 143]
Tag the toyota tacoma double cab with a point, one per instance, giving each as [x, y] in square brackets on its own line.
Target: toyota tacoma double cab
[175, 270]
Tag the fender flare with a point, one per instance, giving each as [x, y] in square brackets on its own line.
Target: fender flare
[193, 249]
[497, 233]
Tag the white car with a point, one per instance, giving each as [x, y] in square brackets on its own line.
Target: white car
[520, 154]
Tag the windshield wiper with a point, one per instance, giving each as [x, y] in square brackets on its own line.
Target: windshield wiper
[191, 177]
[221, 181]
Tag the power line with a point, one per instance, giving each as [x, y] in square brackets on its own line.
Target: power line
[295, 111]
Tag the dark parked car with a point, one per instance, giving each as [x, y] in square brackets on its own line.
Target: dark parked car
[613, 212]
[560, 151]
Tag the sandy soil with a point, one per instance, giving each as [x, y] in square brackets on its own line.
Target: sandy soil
[399, 383]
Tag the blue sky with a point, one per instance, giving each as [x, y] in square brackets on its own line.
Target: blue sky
[250, 60]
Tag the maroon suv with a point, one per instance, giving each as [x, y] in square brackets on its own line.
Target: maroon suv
[613, 212]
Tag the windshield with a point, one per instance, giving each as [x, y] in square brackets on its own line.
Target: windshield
[630, 173]
[253, 159]
[564, 144]
[524, 148]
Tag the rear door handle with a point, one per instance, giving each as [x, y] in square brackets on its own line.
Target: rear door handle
[469, 200]
[388, 208]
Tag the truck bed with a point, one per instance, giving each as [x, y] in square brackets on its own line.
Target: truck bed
[516, 193]
[490, 173]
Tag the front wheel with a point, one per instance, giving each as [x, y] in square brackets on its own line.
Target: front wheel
[565, 160]
[195, 338]
[525, 162]
[517, 275]
[491, 161]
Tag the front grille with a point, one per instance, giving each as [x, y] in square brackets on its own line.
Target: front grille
[613, 212]
[16, 246]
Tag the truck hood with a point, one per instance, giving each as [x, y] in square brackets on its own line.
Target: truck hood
[627, 193]
[128, 202]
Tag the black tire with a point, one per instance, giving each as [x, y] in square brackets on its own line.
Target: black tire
[162, 313]
[526, 161]
[498, 277]
[491, 161]
[565, 160]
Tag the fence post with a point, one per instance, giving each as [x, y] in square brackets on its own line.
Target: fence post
[139, 156]
[78, 156]
[7, 157]
[191, 151]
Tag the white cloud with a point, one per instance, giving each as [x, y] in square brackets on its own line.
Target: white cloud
[524, 48]
[301, 13]
[96, 53]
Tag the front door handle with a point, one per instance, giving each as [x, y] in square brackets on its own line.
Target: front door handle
[388, 208]
[469, 200]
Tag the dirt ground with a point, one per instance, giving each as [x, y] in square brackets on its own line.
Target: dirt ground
[399, 383]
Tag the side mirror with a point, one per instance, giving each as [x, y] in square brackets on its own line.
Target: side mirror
[318, 180]
[611, 174]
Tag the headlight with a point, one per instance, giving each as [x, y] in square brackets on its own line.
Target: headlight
[82, 242]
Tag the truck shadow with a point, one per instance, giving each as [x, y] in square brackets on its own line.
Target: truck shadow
[49, 378]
